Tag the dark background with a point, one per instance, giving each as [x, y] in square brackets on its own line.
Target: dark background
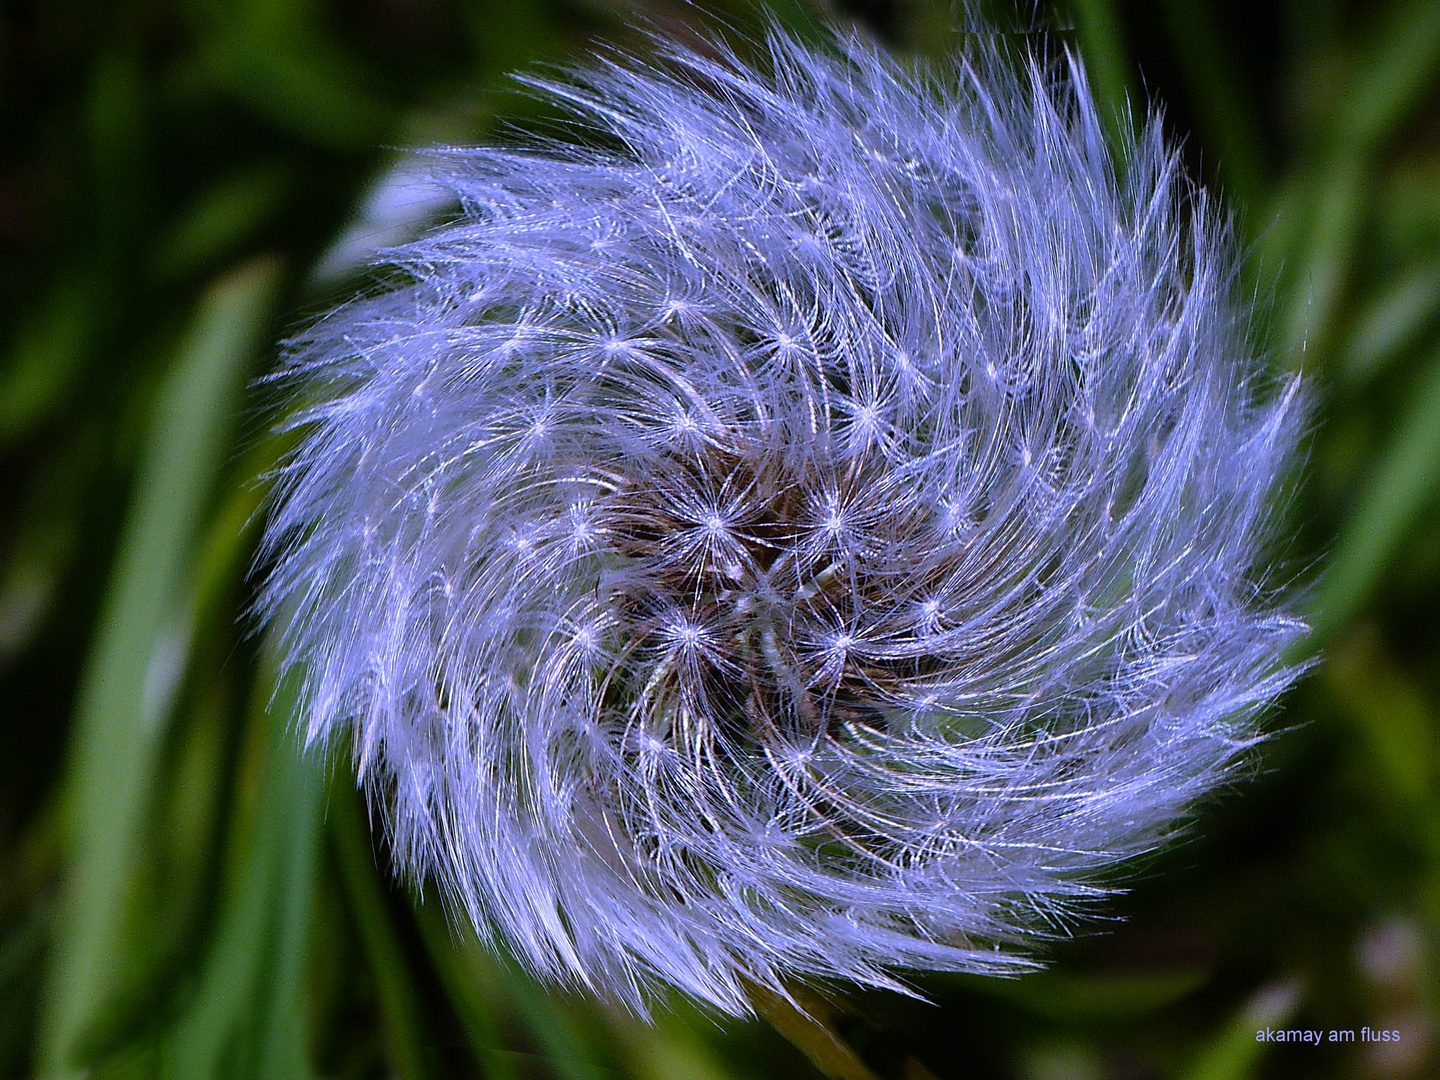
[180, 893]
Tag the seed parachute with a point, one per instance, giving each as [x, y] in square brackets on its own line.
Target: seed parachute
[811, 526]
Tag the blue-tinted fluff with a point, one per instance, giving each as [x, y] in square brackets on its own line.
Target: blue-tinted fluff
[814, 533]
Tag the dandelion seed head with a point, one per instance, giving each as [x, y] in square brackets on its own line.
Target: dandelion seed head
[821, 538]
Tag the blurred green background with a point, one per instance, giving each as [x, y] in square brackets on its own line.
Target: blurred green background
[182, 182]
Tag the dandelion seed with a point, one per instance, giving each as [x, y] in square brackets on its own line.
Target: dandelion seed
[849, 500]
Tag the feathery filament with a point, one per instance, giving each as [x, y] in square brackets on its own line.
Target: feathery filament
[818, 537]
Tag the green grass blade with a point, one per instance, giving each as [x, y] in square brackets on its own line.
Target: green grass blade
[1390, 322]
[1393, 77]
[117, 126]
[138, 654]
[291, 830]
[1078, 999]
[45, 540]
[399, 1000]
[466, 995]
[1405, 481]
[248, 1016]
[1107, 60]
[1233, 1053]
[220, 220]
[1325, 219]
[302, 84]
[482, 985]
[47, 355]
[1230, 121]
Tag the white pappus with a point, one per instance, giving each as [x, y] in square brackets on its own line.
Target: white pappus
[813, 529]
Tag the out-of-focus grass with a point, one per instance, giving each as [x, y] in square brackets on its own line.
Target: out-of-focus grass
[138, 656]
[246, 1013]
[183, 893]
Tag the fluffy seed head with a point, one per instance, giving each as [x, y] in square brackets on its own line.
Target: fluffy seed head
[810, 530]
